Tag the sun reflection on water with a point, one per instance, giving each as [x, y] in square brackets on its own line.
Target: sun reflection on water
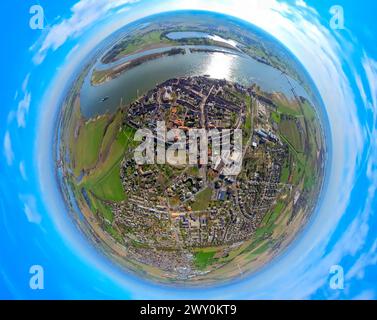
[220, 66]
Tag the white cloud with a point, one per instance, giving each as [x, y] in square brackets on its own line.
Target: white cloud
[370, 67]
[122, 10]
[72, 52]
[83, 14]
[25, 82]
[301, 3]
[365, 260]
[24, 104]
[22, 170]
[30, 208]
[365, 295]
[8, 151]
[23, 110]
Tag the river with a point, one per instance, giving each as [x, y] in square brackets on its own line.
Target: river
[228, 65]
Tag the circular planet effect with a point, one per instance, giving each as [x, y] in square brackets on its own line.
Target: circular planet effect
[341, 231]
[181, 222]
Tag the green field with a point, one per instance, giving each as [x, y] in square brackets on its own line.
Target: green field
[105, 182]
[142, 42]
[111, 132]
[267, 226]
[261, 249]
[202, 200]
[308, 111]
[275, 116]
[99, 149]
[288, 129]
[285, 109]
[269, 219]
[204, 258]
[248, 121]
[100, 208]
[102, 182]
[109, 187]
[114, 233]
[260, 242]
[88, 144]
[285, 173]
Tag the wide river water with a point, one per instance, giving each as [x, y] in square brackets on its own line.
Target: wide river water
[221, 65]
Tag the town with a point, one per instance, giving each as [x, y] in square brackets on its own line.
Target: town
[189, 146]
[173, 208]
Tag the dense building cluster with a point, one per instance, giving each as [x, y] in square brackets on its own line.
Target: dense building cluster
[174, 209]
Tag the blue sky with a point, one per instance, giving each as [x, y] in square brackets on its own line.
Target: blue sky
[39, 64]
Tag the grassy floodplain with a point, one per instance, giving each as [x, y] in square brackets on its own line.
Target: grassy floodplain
[96, 148]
